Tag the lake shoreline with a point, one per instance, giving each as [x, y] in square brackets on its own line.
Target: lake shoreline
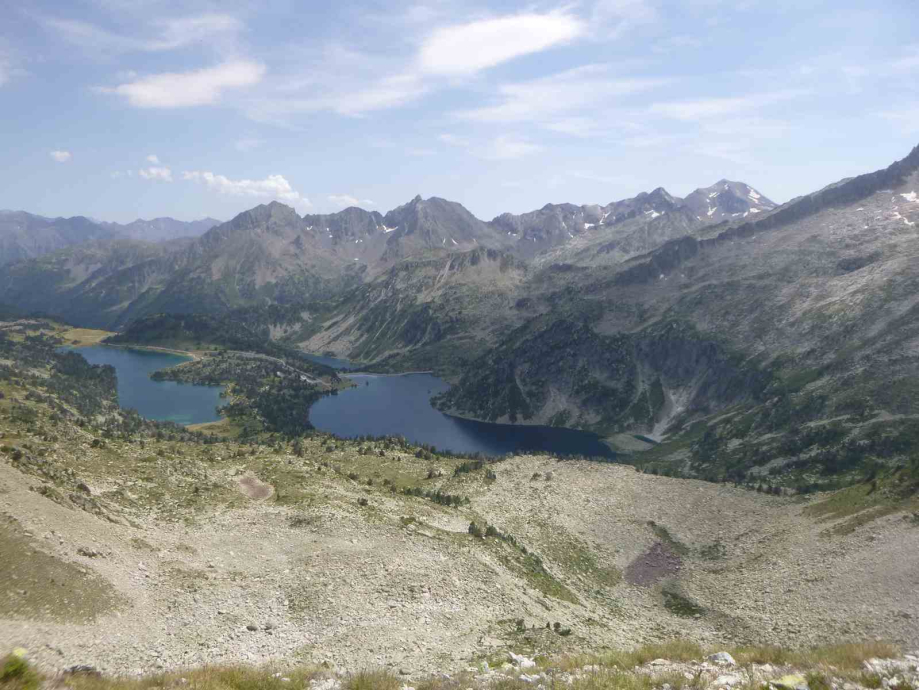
[152, 348]
[162, 401]
[400, 405]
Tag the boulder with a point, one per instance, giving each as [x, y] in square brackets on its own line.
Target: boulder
[722, 659]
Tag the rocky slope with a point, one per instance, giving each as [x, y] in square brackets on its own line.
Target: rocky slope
[208, 551]
[783, 291]
[424, 313]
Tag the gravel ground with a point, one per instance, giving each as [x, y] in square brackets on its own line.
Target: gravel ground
[359, 587]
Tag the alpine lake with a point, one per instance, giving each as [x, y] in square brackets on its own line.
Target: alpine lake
[377, 405]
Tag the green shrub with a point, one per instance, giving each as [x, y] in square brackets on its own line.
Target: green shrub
[17, 674]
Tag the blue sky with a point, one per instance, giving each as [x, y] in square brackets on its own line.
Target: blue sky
[119, 109]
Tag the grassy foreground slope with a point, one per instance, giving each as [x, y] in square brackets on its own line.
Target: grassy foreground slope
[677, 664]
[179, 549]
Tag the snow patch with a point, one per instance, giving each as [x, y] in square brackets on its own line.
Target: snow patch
[754, 210]
[453, 241]
[711, 211]
[911, 196]
[588, 226]
[753, 195]
[388, 230]
[654, 214]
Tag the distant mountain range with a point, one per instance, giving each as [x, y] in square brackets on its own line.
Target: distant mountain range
[85, 268]
[747, 337]
[27, 236]
[162, 229]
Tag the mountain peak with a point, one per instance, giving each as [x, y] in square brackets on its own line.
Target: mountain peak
[727, 200]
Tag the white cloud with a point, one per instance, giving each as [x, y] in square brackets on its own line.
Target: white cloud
[465, 49]
[341, 80]
[245, 145]
[170, 34]
[552, 98]
[507, 148]
[272, 187]
[186, 89]
[345, 200]
[345, 98]
[156, 173]
[705, 108]
[152, 158]
[751, 128]
[61, 156]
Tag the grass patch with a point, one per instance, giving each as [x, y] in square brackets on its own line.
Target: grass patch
[43, 587]
[681, 605]
[531, 568]
[664, 535]
[569, 552]
[204, 678]
[858, 505]
[372, 680]
[847, 657]
[83, 337]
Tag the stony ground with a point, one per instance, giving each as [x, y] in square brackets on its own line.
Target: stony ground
[173, 556]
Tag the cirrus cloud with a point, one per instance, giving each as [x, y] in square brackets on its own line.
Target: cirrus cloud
[170, 33]
[345, 200]
[465, 49]
[187, 89]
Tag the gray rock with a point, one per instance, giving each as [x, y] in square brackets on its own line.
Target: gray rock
[722, 659]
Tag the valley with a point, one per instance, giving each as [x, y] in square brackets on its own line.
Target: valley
[685, 418]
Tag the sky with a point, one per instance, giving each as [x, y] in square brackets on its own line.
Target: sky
[119, 109]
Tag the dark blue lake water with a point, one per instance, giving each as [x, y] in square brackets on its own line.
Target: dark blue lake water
[164, 401]
[400, 406]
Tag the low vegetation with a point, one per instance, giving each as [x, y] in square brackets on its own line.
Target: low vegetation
[820, 668]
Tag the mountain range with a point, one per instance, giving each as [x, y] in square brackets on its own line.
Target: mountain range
[27, 236]
[270, 254]
[723, 334]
